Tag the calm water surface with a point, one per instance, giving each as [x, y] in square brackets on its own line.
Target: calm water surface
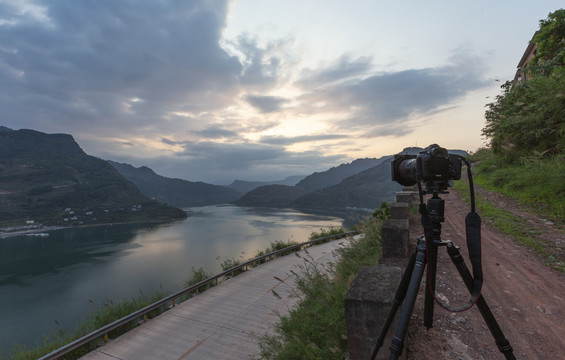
[53, 283]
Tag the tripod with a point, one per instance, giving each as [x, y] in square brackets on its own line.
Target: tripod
[426, 253]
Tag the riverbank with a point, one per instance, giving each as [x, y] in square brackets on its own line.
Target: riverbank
[26, 230]
[40, 229]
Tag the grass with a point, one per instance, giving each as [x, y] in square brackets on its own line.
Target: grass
[316, 328]
[110, 312]
[536, 183]
[334, 230]
[507, 223]
[500, 219]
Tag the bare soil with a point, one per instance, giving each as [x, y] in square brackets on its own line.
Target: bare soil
[526, 296]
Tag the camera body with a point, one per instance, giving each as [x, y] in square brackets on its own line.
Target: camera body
[433, 166]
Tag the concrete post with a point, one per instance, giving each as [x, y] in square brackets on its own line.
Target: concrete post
[399, 210]
[396, 238]
[367, 305]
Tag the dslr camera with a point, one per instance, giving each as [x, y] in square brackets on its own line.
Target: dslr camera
[432, 166]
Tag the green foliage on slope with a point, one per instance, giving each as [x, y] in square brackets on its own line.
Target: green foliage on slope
[316, 328]
[48, 178]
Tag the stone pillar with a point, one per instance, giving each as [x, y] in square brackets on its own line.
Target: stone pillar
[396, 238]
[404, 197]
[399, 210]
[367, 305]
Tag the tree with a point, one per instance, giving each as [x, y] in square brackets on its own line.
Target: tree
[550, 43]
[528, 118]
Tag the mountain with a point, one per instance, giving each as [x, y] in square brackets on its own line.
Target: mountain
[175, 192]
[48, 178]
[271, 196]
[283, 196]
[365, 190]
[243, 186]
[335, 175]
[363, 184]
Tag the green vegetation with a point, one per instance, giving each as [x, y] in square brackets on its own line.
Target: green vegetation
[49, 179]
[550, 51]
[316, 328]
[527, 120]
[334, 230]
[109, 313]
[537, 184]
[526, 129]
[503, 220]
[526, 156]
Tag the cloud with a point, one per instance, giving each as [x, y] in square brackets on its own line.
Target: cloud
[384, 101]
[286, 140]
[264, 65]
[265, 104]
[217, 132]
[343, 69]
[89, 59]
[222, 162]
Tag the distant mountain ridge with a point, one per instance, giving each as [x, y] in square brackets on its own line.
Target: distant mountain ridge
[361, 184]
[308, 194]
[48, 178]
[335, 175]
[246, 186]
[175, 192]
[364, 190]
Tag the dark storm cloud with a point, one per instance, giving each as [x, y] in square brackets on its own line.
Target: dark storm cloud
[265, 104]
[89, 60]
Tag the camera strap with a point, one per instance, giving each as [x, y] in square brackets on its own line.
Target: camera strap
[473, 236]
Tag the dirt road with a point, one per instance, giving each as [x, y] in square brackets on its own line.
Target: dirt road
[525, 295]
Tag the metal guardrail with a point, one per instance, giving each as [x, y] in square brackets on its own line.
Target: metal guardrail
[141, 313]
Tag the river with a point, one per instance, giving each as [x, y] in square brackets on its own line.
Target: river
[53, 283]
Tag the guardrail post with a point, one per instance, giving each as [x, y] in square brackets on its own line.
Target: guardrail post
[367, 305]
[396, 238]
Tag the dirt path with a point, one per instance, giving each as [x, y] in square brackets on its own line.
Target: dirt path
[526, 296]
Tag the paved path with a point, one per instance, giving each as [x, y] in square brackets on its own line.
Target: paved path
[223, 322]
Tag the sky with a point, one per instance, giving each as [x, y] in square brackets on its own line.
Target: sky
[218, 90]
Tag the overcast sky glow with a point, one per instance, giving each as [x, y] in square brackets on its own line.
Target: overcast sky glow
[220, 90]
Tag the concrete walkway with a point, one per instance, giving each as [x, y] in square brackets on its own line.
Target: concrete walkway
[224, 322]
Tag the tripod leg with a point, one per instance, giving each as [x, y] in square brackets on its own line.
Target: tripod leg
[430, 284]
[398, 299]
[501, 342]
[411, 294]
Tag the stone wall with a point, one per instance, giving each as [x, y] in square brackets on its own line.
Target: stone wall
[371, 295]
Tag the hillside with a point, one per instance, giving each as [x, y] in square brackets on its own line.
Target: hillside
[48, 178]
[363, 183]
[336, 174]
[175, 192]
[365, 190]
[360, 185]
[271, 196]
[243, 186]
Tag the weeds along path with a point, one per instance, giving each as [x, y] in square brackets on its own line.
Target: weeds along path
[526, 296]
[225, 321]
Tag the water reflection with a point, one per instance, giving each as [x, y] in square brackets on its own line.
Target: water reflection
[52, 283]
